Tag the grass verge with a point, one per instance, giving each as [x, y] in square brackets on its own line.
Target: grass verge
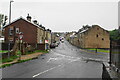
[100, 50]
[36, 51]
[3, 51]
[9, 59]
[19, 61]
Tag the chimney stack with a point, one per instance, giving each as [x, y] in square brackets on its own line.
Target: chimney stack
[29, 18]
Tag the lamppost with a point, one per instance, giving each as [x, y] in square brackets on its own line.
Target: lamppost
[10, 11]
[9, 23]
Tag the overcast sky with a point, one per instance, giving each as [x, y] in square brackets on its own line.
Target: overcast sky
[66, 15]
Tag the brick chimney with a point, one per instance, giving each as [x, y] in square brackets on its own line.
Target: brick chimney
[29, 18]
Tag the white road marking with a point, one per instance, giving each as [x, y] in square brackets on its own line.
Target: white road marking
[54, 59]
[46, 70]
[53, 68]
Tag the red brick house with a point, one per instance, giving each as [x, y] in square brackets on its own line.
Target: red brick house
[32, 32]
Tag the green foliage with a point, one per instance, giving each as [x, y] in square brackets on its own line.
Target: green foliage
[9, 59]
[3, 51]
[19, 61]
[18, 52]
[3, 19]
[114, 35]
[5, 65]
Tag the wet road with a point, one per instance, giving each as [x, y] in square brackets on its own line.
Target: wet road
[65, 61]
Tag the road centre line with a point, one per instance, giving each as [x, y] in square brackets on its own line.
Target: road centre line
[47, 70]
[53, 68]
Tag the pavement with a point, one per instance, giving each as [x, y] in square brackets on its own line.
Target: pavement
[65, 61]
[24, 57]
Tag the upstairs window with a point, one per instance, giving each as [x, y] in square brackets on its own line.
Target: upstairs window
[102, 39]
[97, 28]
[11, 31]
[17, 30]
[97, 35]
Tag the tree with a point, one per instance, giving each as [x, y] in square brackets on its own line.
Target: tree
[3, 20]
[114, 35]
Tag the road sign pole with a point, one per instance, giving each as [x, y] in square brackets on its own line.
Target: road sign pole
[20, 41]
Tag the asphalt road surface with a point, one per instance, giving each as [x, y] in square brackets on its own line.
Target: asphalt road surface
[65, 61]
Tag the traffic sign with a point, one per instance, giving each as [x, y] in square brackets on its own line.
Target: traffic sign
[46, 41]
[20, 35]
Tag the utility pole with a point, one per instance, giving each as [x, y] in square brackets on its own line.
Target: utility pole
[10, 11]
[9, 23]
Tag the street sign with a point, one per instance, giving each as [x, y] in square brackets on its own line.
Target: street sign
[20, 35]
[46, 41]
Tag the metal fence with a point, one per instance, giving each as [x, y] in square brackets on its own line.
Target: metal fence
[115, 54]
[6, 46]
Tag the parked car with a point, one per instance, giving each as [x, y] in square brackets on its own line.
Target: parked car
[62, 40]
[57, 43]
[52, 45]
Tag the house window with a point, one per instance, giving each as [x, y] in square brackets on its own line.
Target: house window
[97, 28]
[97, 35]
[11, 39]
[17, 30]
[11, 31]
[102, 39]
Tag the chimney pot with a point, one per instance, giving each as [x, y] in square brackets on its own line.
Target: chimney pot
[35, 22]
[29, 18]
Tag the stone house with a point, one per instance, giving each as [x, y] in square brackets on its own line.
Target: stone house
[93, 37]
[55, 37]
[74, 40]
[48, 38]
[68, 35]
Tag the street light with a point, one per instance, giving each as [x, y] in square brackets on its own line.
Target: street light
[9, 23]
[10, 11]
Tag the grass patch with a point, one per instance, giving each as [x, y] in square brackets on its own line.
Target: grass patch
[43, 51]
[9, 59]
[100, 50]
[3, 51]
[36, 51]
[20, 61]
[5, 65]
[18, 52]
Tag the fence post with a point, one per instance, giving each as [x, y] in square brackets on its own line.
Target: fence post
[9, 50]
[110, 52]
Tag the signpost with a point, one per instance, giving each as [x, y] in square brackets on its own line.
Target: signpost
[20, 41]
[46, 44]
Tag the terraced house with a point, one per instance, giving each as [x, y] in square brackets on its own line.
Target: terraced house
[93, 37]
[33, 33]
